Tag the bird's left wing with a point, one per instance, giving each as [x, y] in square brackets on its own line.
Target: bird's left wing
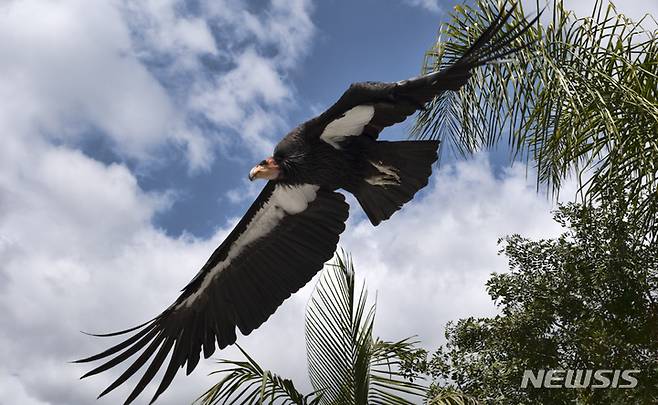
[284, 239]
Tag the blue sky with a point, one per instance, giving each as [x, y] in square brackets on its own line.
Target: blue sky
[128, 128]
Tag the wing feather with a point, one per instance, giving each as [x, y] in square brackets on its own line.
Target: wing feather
[285, 237]
[387, 104]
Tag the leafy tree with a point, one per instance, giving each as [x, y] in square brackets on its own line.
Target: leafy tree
[583, 99]
[346, 364]
[585, 300]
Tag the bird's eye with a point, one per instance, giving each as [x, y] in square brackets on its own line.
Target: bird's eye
[263, 163]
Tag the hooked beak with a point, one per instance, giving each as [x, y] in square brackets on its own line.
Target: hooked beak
[267, 169]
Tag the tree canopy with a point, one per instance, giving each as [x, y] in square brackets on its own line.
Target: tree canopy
[585, 300]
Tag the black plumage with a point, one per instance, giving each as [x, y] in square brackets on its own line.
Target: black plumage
[293, 227]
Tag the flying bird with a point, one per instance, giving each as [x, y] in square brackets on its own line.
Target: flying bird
[293, 227]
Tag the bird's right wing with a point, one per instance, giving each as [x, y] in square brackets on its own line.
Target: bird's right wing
[366, 108]
[283, 240]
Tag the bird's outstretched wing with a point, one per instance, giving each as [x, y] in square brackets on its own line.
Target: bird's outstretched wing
[285, 237]
[365, 109]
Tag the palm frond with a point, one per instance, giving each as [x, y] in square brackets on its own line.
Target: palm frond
[449, 397]
[388, 385]
[246, 382]
[338, 336]
[582, 99]
[345, 363]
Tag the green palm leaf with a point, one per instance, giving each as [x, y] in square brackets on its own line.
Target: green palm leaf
[345, 363]
[246, 382]
[450, 397]
[583, 100]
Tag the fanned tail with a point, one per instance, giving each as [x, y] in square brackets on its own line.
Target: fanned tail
[396, 171]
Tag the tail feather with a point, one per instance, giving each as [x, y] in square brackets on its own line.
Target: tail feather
[397, 170]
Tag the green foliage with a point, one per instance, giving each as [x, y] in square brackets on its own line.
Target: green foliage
[450, 397]
[585, 300]
[339, 336]
[346, 364]
[246, 382]
[583, 99]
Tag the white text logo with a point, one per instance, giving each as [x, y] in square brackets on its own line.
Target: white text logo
[579, 378]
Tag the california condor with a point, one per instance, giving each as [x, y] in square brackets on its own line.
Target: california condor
[292, 228]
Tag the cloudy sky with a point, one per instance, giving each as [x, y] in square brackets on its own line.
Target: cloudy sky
[128, 128]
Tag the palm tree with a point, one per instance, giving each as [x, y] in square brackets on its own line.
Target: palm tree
[346, 364]
[582, 99]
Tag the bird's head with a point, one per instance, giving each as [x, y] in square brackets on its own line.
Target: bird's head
[268, 169]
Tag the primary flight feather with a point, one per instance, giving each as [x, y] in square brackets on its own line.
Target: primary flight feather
[293, 227]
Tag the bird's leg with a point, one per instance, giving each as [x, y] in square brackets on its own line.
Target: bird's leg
[388, 175]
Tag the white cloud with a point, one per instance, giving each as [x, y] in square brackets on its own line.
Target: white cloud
[78, 252]
[429, 5]
[162, 29]
[68, 70]
[231, 101]
[13, 389]
[635, 9]
[246, 192]
[252, 97]
[286, 25]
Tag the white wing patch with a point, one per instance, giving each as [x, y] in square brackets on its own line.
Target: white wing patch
[285, 200]
[350, 124]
